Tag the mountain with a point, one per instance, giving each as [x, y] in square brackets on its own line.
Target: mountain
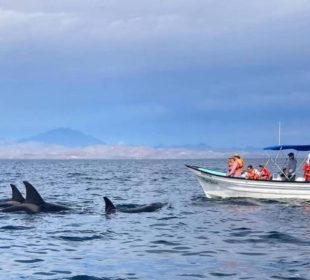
[64, 136]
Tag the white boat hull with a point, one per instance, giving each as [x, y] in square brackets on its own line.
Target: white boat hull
[222, 186]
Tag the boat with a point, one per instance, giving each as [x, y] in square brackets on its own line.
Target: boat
[217, 184]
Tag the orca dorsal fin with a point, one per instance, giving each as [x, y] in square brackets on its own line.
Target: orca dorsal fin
[32, 195]
[16, 195]
[109, 206]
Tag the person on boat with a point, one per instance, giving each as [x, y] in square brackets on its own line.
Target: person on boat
[265, 174]
[290, 169]
[236, 167]
[251, 173]
[307, 169]
[230, 162]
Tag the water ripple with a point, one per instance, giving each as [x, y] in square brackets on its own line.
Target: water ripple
[29, 261]
[87, 277]
[80, 238]
[14, 228]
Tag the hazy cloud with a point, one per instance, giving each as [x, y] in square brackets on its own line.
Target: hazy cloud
[199, 32]
[34, 150]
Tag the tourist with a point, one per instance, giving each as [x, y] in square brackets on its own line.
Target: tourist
[264, 173]
[236, 167]
[230, 162]
[307, 169]
[290, 169]
[251, 174]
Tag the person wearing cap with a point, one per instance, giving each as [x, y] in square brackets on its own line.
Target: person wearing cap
[290, 168]
[265, 174]
[236, 167]
[307, 169]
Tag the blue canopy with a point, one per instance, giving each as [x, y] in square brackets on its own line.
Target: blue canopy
[287, 147]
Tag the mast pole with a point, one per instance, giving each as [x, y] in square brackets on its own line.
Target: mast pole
[279, 140]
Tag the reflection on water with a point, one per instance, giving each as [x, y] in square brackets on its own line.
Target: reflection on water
[191, 238]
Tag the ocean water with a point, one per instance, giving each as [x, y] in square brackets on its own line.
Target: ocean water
[192, 237]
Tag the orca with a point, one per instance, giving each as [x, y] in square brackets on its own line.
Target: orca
[34, 203]
[110, 208]
[17, 198]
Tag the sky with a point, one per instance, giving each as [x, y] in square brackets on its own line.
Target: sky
[157, 73]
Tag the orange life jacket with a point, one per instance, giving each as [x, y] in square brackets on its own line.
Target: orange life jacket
[240, 165]
[265, 174]
[307, 171]
[252, 175]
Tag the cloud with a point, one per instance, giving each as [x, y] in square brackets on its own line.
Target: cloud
[139, 35]
[20, 27]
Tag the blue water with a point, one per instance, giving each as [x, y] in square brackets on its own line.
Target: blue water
[191, 238]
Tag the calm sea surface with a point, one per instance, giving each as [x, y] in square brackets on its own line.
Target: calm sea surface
[191, 238]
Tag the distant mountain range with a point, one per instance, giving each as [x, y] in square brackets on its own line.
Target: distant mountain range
[71, 138]
[65, 137]
[199, 146]
[203, 146]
